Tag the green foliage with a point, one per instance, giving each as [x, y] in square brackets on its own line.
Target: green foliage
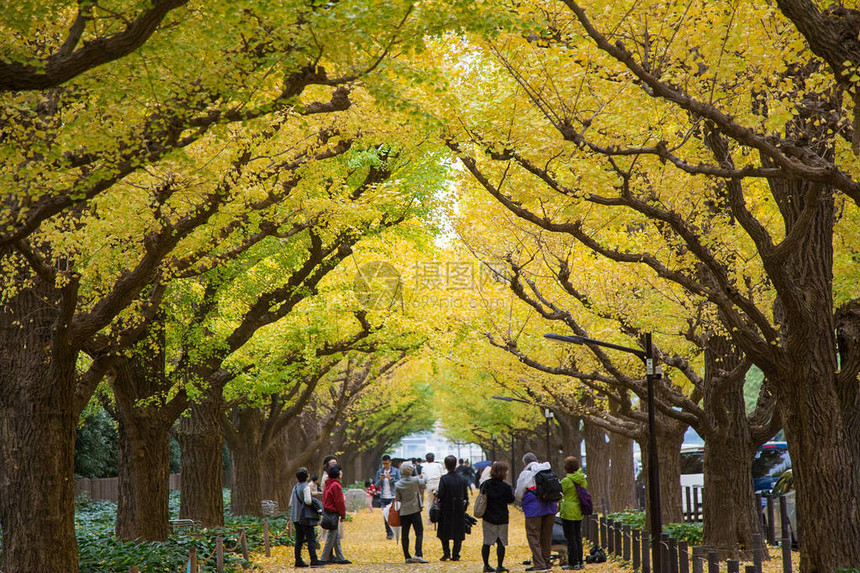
[689, 532]
[96, 446]
[100, 551]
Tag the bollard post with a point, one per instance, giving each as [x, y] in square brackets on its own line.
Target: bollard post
[619, 539]
[698, 559]
[646, 552]
[771, 525]
[733, 566]
[192, 559]
[713, 562]
[610, 538]
[759, 511]
[602, 531]
[637, 550]
[625, 535]
[757, 552]
[219, 554]
[245, 554]
[683, 557]
[266, 544]
[687, 494]
[786, 555]
[696, 503]
[664, 552]
[672, 551]
[783, 517]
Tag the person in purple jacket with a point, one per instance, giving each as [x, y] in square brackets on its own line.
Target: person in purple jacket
[540, 515]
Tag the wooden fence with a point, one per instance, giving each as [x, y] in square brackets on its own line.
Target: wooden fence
[108, 488]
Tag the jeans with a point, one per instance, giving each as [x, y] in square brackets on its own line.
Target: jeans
[539, 535]
[332, 545]
[385, 502]
[573, 534]
[305, 535]
[413, 519]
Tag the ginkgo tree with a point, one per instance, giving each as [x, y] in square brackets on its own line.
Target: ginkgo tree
[169, 126]
[709, 145]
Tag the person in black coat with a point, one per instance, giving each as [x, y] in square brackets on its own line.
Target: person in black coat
[496, 516]
[453, 497]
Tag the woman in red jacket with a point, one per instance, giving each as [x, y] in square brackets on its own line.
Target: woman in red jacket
[333, 502]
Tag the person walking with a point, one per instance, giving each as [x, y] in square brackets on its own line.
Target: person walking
[571, 511]
[386, 477]
[496, 516]
[453, 498]
[333, 502]
[409, 491]
[432, 472]
[540, 515]
[304, 518]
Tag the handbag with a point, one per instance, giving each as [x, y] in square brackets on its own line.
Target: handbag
[311, 513]
[434, 511]
[330, 520]
[394, 515]
[480, 504]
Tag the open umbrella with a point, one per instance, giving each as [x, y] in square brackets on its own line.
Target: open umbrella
[482, 464]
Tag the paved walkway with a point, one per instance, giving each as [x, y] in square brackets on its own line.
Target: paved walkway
[365, 545]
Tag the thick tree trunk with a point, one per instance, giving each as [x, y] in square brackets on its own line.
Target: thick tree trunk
[144, 441]
[570, 435]
[622, 489]
[276, 482]
[816, 404]
[729, 513]
[144, 478]
[202, 450]
[670, 436]
[245, 447]
[37, 436]
[597, 464]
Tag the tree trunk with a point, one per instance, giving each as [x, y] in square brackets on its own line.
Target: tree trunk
[570, 435]
[622, 488]
[816, 404]
[728, 509]
[201, 443]
[597, 464]
[144, 440]
[37, 435]
[276, 482]
[144, 479]
[245, 447]
[670, 436]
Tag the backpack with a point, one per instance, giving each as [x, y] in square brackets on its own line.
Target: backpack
[584, 500]
[547, 486]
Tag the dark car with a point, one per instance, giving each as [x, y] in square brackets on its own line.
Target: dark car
[770, 462]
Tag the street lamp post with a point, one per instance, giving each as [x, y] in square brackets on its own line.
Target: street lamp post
[651, 374]
[548, 415]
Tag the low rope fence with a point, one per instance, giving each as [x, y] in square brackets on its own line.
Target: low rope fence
[194, 563]
[633, 546]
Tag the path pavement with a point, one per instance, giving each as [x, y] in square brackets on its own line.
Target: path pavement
[365, 545]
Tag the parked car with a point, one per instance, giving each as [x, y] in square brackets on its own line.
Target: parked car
[770, 462]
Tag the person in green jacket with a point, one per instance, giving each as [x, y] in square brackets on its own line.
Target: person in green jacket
[571, 511]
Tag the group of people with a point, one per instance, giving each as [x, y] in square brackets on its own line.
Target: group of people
[448, 489]
[305, 508]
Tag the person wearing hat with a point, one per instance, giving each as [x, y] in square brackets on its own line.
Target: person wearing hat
[409, 491]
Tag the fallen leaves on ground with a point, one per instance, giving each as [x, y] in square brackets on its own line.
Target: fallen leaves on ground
[365, 545]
